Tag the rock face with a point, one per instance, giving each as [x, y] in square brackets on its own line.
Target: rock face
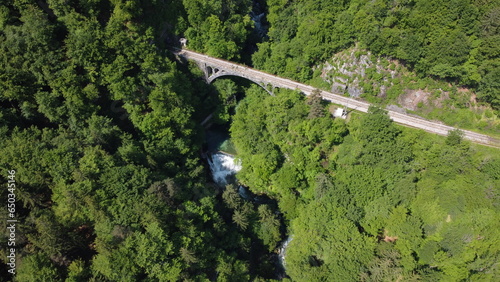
[354, 90]
[345, 72]
[413, 98]
[359, 74]
[396, 109]
[338, 88]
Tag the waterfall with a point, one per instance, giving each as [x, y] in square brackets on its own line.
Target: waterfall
[258, 16]
[260, 28]
[223, 167]
[282, 251]
[245, 194]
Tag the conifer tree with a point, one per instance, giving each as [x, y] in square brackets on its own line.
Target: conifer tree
[314, 101]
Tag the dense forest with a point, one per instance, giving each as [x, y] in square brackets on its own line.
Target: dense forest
[369, 200]
[102, 130]
[102, 127]
[455, 40]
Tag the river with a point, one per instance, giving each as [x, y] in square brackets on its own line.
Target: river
[221, 154]
[224, 168]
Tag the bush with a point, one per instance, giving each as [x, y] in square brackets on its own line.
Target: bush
[454, 137]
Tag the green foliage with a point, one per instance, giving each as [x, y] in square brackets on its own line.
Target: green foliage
[326, 245]
[227, 90]
[218, 28]
[37, 267]
[240, 219]
[100, 126]
[489, 86]
[386, 266]
[77, 271]
[270, 138]
[377, 202]
[314, 101]
[231, 269]
[454, 137]
[269, 227]
[454, 40]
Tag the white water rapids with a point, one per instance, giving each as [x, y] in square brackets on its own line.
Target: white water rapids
[282, 251]
[223, 166]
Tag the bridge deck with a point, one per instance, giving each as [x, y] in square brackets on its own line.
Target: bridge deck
[256, 75]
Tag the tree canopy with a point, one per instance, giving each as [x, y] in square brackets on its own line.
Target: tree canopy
[368, 200]
[102, 125]
[454, 40]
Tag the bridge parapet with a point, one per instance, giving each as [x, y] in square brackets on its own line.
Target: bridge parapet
[213, 69]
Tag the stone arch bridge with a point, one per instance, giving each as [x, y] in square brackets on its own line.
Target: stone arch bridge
[214, 68]
[213, 72]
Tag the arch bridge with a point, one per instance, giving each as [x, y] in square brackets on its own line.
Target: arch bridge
[214, 68]
[213, 71]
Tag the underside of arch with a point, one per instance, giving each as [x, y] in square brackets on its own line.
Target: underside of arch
[222, 73]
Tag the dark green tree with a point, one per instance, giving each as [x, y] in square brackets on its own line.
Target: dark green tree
[315, 103]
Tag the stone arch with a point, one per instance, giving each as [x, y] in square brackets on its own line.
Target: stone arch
[215, 73]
